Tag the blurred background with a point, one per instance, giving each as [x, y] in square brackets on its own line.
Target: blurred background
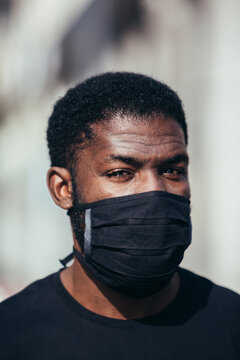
[47, 46]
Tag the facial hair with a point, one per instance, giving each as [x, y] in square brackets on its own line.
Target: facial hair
[77, 216]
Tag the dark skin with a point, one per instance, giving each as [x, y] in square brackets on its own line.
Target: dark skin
[124, 157]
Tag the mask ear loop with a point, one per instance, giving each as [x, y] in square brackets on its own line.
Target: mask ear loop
[66, 259]
[87, 237]
[69, 257]
[70, 211]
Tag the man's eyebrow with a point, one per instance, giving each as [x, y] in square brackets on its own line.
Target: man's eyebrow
[177, 159]
[183, 157]
[125, 159]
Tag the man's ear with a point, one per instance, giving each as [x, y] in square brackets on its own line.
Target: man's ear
[60, 186]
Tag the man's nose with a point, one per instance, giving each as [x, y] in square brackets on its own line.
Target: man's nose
[151, 181]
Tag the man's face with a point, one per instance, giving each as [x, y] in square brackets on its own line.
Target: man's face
[128, 157]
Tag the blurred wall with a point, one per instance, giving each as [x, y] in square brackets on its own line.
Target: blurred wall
[48, 46]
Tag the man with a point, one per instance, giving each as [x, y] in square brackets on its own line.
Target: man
[119, 166]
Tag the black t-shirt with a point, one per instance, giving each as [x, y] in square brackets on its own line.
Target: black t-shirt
[44, 322]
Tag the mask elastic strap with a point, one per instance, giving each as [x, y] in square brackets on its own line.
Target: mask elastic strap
[70, 257]
[66, 259]
[79, 257]
[70, 211]
[87, 239]
[79, 207]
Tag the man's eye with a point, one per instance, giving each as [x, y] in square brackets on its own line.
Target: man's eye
[174, 172]
[118, 173]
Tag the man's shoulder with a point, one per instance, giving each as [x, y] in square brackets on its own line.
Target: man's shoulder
[29, 302]
[30, 292]
[219, 298]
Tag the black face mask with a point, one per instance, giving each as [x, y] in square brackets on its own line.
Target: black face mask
[134, 244]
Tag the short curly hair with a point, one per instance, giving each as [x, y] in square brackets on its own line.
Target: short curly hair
[101, 98]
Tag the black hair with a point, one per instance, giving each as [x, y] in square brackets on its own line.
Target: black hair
[101, 98]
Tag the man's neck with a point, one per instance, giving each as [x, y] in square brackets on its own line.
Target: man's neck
[102, 300]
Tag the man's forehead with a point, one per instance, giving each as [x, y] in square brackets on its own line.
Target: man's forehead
[136, 143]
[154, 129]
